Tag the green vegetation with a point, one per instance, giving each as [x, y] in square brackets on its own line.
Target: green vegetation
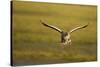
[35, 44]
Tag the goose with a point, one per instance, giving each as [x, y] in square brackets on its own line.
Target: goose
[65, 36]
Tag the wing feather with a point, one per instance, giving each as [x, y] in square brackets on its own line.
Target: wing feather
[77, 28]
[50, 26]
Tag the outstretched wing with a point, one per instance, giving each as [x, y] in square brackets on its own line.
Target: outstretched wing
[77, 28]
[50, 26]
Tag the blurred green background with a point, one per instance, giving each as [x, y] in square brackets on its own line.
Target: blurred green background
[34, 43]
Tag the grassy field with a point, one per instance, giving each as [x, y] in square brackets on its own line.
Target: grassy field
[34, 43]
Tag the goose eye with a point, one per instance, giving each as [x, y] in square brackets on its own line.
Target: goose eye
[68, 39]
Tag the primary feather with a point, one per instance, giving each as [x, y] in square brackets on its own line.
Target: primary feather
[77, 28]
[50, 26]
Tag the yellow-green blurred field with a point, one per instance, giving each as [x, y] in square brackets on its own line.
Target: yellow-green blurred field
[34, 43]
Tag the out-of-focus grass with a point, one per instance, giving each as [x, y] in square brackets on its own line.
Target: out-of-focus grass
[36, 44]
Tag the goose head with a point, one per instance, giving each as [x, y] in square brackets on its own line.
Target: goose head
[65, 38]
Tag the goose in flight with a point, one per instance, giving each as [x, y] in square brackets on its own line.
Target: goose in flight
[65, 36]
